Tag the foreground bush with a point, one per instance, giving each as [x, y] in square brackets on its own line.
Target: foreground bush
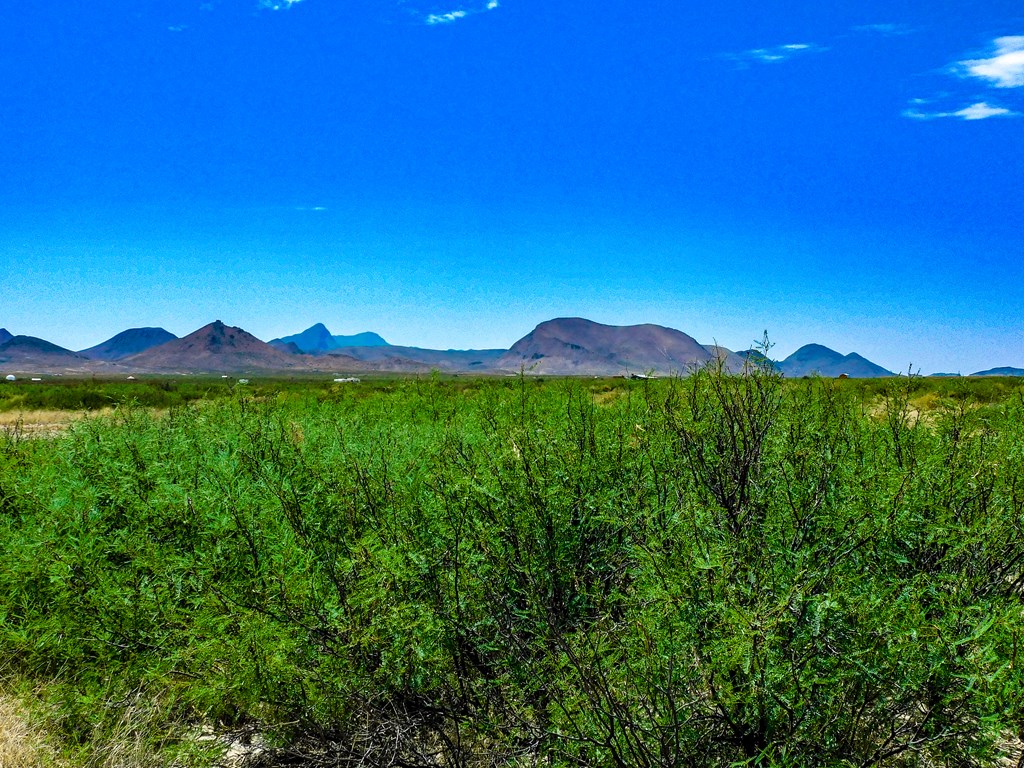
[708, 571]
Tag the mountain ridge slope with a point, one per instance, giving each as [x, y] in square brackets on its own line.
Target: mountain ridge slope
[128, 342]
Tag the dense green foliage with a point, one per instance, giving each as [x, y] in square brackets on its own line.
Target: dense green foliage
[71, 394]
[87, 395]
[708, 571]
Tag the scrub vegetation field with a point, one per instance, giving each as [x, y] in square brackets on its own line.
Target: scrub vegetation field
[710, 571]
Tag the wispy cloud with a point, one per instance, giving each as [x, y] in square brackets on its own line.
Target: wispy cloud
[1001, 67]
[980, 111]
[461, 13]
[446, 18]
[1004, 67]
[889, 30]
[773, 55]
[983, 110]
[278, 5]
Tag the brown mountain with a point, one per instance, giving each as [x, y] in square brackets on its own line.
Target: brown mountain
[575, 346]
[216, 348]
[27, 354]
[731, 361]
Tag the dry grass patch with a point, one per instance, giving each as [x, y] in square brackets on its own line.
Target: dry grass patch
[608, 397]
[133, 732]
[22, 744]
[43, 423]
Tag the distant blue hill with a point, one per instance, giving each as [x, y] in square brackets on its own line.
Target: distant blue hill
[129, 342]
[317, 340]
[290, 347]
[415, 358]
[1000, 372]
[5, 335]
[816, 360]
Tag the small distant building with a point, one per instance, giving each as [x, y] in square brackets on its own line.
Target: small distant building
[348, 380]
[10, 377]
[36, 378]
[131, 378]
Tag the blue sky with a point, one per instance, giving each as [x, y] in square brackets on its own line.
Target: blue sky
[451, 174]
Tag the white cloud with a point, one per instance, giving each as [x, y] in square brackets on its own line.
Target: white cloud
[1003, 69]
[979, 111]
[774, 54]
[452, 16]
[446, 18]
[277, 5]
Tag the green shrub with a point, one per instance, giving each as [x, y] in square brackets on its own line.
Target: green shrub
[714, 570]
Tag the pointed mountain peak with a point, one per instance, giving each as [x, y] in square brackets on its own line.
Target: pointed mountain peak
[217, 334]
[816, 350]
[215, 347]
[317, 339]
[318, 335]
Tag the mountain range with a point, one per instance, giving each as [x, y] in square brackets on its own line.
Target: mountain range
[27, 354]
[562, 346]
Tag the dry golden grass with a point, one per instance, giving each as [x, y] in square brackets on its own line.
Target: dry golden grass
[44, 423]
[11, 418]
[134, 736]
[21, 744]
